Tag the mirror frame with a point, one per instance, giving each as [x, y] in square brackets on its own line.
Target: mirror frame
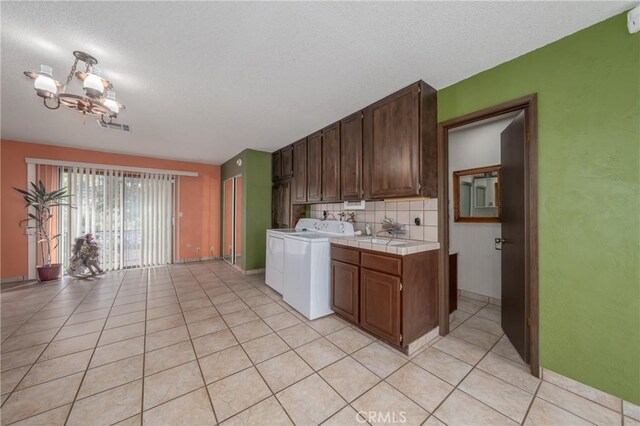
[456, 195]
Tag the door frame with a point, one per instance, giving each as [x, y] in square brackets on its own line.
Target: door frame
[234, 196]
[528, 104]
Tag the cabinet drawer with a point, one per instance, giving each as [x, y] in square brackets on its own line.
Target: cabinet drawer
[345, 255]
[382, 263]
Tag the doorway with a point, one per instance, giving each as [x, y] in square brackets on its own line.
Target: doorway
[484, 193]
[232, 236]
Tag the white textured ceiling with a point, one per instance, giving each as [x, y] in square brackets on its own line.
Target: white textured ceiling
[204, 80]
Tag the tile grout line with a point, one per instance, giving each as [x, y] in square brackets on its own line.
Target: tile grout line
[86, 294]
[256, 285]
[253, 365]
[474, 366]
[535, 395]
[317, 372]
[94, 351]
[265, 360]
[15, 389]
[195, 354]
[43, 306]
[144, 343]
[580, 396]
[314, 371]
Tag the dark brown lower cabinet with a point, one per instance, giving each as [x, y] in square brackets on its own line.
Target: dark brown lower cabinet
[392, 297]
[345, 290]
[380, 304]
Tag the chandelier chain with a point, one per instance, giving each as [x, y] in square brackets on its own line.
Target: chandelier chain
[72, 72]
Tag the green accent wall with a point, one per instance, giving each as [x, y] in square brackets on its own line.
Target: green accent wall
[256, 204]
[588, 87]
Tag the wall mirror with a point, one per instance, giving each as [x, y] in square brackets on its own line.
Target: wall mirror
[476, 195]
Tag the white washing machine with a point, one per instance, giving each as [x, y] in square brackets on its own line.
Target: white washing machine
[307, 265]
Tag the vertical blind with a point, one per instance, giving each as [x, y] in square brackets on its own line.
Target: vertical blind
[131, 215]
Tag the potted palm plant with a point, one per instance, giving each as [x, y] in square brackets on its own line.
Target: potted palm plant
[44, 203]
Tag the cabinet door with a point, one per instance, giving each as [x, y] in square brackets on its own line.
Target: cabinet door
[300, 171]
[275, 193]
[345, 292]
[331, 163]
[351, 157]
[285, 205]
[380, 304]
[314, 167]
[287, 162]
[392, 145]
[281, 205]
[276, 165]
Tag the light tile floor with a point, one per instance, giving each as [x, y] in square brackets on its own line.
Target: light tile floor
[202, 344]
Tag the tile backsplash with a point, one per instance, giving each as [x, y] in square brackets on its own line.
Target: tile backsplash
[404, 212]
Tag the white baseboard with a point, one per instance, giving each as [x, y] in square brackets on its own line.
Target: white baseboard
[13, 279]
[480, 297]
[197, 259]
[605, 399]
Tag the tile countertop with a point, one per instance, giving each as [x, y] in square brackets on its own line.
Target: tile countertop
[410, 246]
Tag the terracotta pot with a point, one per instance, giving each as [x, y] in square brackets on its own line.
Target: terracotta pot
[49, 272]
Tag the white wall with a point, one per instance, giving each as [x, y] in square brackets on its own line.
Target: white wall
[478, 261]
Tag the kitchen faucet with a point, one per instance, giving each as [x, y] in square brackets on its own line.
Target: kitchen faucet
[392, 227]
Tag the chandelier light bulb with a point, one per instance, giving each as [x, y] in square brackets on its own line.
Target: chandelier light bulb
[93, 84]
[110, 103]
[45, 85]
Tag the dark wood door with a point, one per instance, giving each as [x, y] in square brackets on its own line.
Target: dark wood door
[287, 162]
[453, 282]
[351, 157]
[276, 165]
[300, 171]
[392, 145]
[514, 291]
[314, 167]
[331, 163]
[380, 304]
[345, 292]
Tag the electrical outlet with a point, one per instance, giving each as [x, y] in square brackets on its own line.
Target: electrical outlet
[188, 245]
[198, 250]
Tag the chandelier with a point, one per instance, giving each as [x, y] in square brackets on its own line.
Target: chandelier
[94, 102]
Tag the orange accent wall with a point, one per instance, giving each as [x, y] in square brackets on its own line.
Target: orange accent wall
[199, 199]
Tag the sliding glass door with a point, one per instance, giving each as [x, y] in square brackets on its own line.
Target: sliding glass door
[130, 215]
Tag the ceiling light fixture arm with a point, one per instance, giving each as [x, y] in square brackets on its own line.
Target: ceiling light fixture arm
[44, 101]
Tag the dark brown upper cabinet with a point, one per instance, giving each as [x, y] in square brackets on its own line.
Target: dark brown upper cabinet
[331, 163]
[314, 167]
[351, 157]
[300, 171]
[281, 205]
[400, 157]
[287, 162]
[276, 165]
